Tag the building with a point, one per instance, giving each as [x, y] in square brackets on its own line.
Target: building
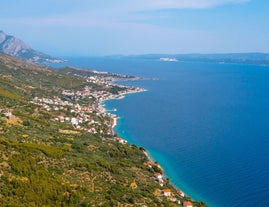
[161, 183]
[167, 192]
[158, 176]
[187, 204]
[122, 141]
[74, 121]
[148, 163]
[180, 193]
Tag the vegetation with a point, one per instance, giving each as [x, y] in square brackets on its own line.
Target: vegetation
[49, 163]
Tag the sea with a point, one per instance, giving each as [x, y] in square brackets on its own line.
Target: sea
[207, 124]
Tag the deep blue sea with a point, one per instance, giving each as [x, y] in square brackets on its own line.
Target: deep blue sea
[206, 124]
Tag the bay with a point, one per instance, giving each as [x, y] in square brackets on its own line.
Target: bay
[206, 124]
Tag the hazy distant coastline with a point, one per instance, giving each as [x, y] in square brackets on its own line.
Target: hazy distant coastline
[221, 58]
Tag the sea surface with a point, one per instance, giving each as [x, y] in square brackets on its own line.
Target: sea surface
[206, 124]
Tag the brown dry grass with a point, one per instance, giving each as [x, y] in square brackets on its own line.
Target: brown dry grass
[13, 120]
[73, 132]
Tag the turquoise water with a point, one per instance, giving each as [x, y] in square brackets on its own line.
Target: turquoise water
[206, 124]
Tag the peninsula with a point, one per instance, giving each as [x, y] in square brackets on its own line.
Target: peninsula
[58, 148]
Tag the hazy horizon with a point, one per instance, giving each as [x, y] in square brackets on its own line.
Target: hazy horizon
[100, 28]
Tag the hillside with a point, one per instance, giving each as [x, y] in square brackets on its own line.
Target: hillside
[15, 47]
[56, 146]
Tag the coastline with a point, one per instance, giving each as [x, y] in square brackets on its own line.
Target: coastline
[151, 160]
[113, 117]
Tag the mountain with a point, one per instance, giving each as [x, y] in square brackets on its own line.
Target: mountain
[15, 47]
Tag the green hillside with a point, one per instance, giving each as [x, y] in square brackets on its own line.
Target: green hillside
[45, 161]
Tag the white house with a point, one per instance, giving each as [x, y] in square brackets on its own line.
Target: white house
[122, 141]
[74, 121]
[158, 176]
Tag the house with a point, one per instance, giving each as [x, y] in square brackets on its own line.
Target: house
[187, 204]
[158, 176]
[148, 163]
[122, 141]
[74, 121]
[179, 192]
[157, 165]
[8, 114]
[173, 199]
[161, 183]
[166, 192]
[61, 118]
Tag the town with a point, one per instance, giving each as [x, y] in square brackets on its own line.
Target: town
[81, 117]
[81, 110]
[85, 117]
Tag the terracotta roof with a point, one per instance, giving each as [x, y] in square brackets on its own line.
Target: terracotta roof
[180, 192]
[147, 163]
[166, 190]
[187, 203]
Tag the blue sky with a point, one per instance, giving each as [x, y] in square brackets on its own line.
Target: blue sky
[105, 27]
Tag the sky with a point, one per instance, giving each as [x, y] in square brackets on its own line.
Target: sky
[109, 27]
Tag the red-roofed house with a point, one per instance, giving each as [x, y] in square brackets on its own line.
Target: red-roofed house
[161, 183]
[180, 193]
[187, 204]
[167, 192]
[148, 163]
[157, 165]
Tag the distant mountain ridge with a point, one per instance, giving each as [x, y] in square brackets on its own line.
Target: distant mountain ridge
[15, 47]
